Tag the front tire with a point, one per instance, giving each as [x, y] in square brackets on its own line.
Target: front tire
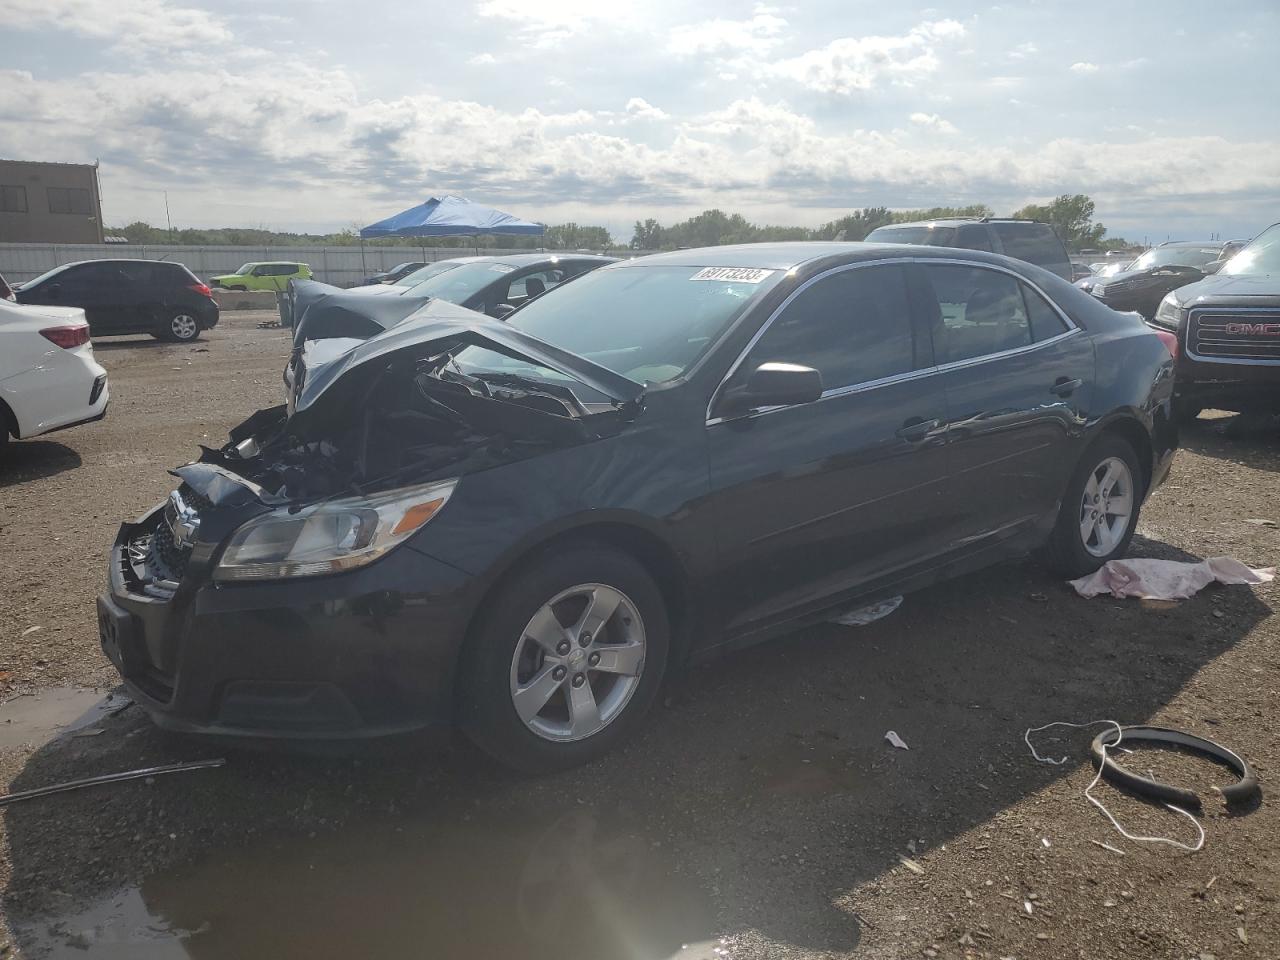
[566, 659]
[182, 327]
[1099, 511]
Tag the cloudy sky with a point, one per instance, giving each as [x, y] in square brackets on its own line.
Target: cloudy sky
[319, 114]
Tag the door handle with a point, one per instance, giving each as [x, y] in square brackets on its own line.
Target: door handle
[917, 428]
[1065, 386]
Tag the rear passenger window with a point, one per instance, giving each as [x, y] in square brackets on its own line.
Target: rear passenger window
[1035, 243]
[853, 327]
[1046, 323]
[980, 312]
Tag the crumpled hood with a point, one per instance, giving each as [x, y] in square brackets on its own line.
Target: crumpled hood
[321, 310]
[1219, 290]
[441, 327]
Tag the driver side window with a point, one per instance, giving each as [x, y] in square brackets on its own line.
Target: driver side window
[852, 327]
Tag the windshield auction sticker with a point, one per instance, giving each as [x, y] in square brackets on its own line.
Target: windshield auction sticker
[502, 268]
[732, 274]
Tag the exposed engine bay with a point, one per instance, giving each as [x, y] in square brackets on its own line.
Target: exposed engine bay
[415, 420]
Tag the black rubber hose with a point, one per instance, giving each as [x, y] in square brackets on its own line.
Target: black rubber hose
[1246, 788]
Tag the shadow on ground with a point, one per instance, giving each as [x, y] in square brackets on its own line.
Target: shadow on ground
[1255, 441]
[24, 460]
[759, 796]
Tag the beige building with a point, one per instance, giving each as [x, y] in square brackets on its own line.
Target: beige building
[49, 202]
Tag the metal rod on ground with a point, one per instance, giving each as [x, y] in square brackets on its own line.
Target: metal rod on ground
[109, 778]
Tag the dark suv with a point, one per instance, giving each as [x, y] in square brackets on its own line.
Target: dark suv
[1027, 240]
[1228, 328]
[163, 299]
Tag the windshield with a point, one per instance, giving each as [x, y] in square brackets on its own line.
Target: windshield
[463, 282]
[1176, 257]
[247, 268]
[1260, 258]
[426, 273]
[922, 236]
[648, 323]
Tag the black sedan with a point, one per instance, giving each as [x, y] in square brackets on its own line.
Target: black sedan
[521, 527]
[1144, 283]
[398, 272]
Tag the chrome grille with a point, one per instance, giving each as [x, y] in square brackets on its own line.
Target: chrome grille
[1235, 336]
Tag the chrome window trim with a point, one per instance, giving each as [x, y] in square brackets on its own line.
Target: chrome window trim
[1072, 329]
[1192, 319]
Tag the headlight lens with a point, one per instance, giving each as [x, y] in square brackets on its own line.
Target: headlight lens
[1169, 313]
[330, 536]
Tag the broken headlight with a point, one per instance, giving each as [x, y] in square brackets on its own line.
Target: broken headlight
[330, 536]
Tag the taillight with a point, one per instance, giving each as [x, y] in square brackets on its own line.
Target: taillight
[1170, 341]
[67, 337]
[200, 288]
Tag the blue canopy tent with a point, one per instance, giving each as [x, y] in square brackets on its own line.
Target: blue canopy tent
[451, 217]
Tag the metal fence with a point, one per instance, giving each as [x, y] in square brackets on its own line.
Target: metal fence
[341, 266]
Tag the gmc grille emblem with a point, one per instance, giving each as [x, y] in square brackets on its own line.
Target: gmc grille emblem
[1254, 329]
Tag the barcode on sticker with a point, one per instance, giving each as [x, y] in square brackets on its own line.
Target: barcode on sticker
[732, 274]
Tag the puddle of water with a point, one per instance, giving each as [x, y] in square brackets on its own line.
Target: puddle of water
[568, 887]
[38, 718]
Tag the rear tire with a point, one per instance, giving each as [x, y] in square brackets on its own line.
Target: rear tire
[599, 679]
[1099, 511]
[182, 327]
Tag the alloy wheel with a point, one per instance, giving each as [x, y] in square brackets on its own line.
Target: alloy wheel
[184, 326]
[578, 662]
[1106, 507]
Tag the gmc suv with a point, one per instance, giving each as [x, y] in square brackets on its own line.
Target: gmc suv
[1228, 328]
[1027, 240]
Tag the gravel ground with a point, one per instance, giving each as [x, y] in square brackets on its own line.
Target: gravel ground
[762, 813]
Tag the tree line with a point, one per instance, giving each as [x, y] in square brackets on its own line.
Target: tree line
[1070, 214]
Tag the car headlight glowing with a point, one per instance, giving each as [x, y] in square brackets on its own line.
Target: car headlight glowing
[330, 536]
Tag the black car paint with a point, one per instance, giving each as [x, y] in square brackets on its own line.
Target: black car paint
[1248, 385]
[752, 524]
[118, 300]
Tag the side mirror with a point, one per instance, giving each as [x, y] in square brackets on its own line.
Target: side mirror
[501, 311]
[1211, 268]
[775, 384]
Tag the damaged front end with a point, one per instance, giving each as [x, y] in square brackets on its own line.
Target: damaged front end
[369, 446]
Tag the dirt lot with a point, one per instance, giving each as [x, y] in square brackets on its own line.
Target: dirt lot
[762, 814]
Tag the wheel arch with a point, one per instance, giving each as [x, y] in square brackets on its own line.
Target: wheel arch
[1136, 434]
[9, 420]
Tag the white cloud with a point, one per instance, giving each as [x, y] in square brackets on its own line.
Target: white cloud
[642, 108]
[129, 24]
[1023, 50]
[545, 23]
[1084, 67]
[482, 59]
[757, 35]
[850, 64]
[933, 122]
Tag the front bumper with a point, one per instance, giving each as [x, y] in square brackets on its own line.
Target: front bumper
[361, 654]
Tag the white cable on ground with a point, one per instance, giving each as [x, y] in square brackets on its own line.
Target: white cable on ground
[1088, 795]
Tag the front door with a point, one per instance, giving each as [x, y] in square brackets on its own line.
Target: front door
[1018, 378]
[815, 501]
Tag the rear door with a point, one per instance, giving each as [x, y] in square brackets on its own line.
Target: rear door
[100, 289]
[813, 501]
[1018, 377]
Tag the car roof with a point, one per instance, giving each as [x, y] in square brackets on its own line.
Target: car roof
[787, 255]
[1192, 243]
[953, 221]
[79, 263]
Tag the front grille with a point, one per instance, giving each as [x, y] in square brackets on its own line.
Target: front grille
[166, 559]
[1235, 336]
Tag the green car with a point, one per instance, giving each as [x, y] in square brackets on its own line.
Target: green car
[263, 276]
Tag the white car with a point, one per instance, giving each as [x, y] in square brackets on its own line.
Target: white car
[48, 376]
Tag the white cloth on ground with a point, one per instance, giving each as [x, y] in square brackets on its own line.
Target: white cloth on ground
[1166, 579]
